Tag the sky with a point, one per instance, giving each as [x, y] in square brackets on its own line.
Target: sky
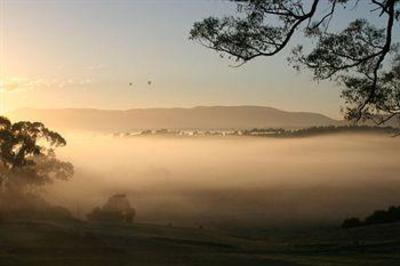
[84, 53]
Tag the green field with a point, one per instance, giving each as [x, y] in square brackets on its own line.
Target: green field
[76, 243]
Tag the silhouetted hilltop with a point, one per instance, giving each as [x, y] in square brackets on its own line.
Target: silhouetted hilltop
[215, 117]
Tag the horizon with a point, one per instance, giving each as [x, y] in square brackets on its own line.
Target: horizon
[172, 107]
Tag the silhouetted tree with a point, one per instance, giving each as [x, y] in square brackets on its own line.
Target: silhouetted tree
[362, 58]
[117, 209]
[391, 215]
[27, 155]
[394, 213]
[351, 222]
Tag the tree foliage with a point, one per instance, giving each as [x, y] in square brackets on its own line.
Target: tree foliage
[363, 58]
[27, 155]
[391, 215]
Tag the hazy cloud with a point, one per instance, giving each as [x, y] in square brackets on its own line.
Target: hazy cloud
[13, 84]
[97, 67]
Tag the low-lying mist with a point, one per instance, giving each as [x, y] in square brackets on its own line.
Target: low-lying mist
[237, 180]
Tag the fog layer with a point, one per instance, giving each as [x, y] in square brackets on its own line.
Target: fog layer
[238, 180]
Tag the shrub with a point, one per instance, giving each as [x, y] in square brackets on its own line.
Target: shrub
[117, 209]
[391, 215]
[351, 222]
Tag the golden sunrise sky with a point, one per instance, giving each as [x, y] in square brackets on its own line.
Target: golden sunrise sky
[77, 53]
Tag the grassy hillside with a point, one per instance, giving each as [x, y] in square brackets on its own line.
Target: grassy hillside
[75, 243]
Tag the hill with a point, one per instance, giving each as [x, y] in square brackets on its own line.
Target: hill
[68, 243]
[213, 117]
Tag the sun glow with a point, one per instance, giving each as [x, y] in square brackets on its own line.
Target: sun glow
[7, 85]
[2, 90]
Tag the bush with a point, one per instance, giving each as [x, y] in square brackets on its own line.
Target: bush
[105, 216]
[101, 215]
[391, 215]
[351, 222]
[117, 209]
[24, 206]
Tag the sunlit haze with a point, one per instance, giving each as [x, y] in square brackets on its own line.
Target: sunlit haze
[85, 54]
[199, 132]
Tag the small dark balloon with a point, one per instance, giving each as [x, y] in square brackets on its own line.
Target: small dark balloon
[149, 82]
[130, 83]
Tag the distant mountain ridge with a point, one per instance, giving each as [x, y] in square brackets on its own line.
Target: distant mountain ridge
[201, 117]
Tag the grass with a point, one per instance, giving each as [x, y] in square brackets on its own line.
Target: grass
[75, 244]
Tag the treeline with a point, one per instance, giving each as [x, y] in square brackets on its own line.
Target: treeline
[266, 132]
[391, 215]
[321, 130]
